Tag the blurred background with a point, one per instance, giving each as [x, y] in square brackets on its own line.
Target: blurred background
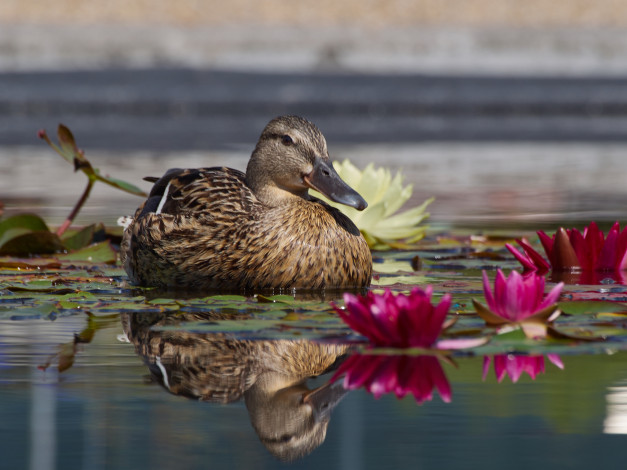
[509, 112]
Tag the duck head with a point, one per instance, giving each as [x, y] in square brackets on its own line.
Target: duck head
[290, 158]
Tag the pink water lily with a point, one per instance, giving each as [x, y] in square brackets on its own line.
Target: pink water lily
[569, 249]
[514, 365]
[401, 321]
[519, 300]
[398, 374]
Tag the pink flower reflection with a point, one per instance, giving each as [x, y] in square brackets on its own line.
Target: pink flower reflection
[399, 374]
[569, 249]
[514, 365]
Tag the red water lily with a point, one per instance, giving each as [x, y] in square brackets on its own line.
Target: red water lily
[398, 321]
[569, 249]
[398, 374]
[514, 365]
[519, 300]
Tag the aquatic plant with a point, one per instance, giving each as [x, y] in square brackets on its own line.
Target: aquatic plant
[569, 249]
[514, 365]
[402, 321]
[28, 234]
[382, 227]
[68, 149]
[519, 301]
[399, 374]
[399, 321]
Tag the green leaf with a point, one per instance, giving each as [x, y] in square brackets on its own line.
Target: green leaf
[84, 237]
[591, 307]
[32, 243]
[101, 252]
[69, 150]
[27, 222]
[117, 183]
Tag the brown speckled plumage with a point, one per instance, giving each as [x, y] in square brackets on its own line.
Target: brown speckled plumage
[218, 228]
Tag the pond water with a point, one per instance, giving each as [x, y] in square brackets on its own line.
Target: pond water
[97, 375]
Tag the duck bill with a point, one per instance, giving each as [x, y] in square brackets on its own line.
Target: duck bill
[324, 179]
[323, 399]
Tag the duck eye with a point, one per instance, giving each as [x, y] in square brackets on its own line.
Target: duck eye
[287, 140]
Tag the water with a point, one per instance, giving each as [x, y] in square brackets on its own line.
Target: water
[103, 413]
[495, 153]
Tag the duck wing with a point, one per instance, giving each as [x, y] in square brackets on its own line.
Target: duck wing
[198, 191]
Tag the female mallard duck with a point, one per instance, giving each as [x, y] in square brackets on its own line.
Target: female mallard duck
[218, 228]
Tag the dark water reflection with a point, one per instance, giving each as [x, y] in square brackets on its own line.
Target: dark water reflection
[103, 413]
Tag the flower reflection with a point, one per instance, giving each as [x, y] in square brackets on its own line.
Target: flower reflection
[399, 374]
[587, 277]
[514, 365]
[519, 300]
[569, 249]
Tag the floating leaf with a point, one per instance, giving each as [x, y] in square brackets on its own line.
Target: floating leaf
[101, 252]
[84, 237]
[591, 307]
[31, 243]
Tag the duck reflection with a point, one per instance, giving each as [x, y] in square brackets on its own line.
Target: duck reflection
[290, 419]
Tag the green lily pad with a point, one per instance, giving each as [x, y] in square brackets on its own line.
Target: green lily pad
[31, 243]
[86, 236]
[101, 252]
[591, 307]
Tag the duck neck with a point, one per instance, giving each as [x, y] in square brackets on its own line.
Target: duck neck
[269, 191]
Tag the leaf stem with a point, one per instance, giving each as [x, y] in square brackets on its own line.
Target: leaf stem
[65, 225]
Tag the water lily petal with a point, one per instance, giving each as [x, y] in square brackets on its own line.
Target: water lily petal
[564, 255]
[621, 251]
[487, 291]
[532, 256]
[486, 366]
[552, 296]
[555, 359]
[547, 244]
[523, 259]
[461, 343]
[608, 252]
[515, 293]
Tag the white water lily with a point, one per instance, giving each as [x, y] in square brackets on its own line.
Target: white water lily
[381, 226]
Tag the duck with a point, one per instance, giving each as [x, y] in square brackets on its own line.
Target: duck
[219, 228]
[269, 375]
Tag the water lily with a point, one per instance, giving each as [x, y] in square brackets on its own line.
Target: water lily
[569, 249]
[402, 321]
[399, 374]
[380, 223]
[514, 365]
[519, 300]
